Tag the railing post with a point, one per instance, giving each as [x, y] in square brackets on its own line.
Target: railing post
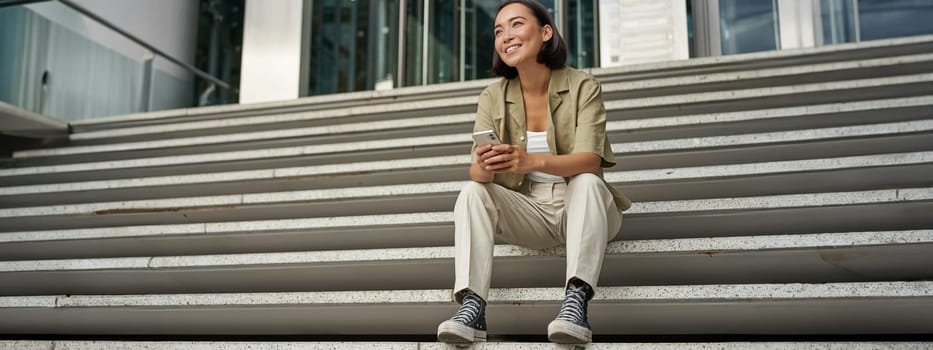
[145, 89]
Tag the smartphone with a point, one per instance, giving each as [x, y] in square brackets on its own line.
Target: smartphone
[486, 137]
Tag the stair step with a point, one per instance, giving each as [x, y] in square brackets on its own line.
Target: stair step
[462, 118]
[402, 345]
[913, 166]
[683, 84]
[846, 132]
[696, 66]
[824, 257]
[883, 110]
[397, 345]
[378, 193]
[747, 179]
[826, 212]
[615, 95]
[826, 308]
[778, 195]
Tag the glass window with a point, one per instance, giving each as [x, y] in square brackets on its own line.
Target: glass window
[880, 19]
[414, 35]
[748, 26]
[443, 43]
[478, 42]
[582, 33]
[838, 21]
[876, 19]
[353, 45]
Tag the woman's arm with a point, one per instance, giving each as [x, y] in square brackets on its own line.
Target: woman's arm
[477, 172]
[513, 159]
[481, 153]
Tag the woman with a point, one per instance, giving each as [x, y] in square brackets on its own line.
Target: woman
[542, 187]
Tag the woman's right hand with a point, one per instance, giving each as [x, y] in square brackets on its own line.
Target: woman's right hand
[478, 170]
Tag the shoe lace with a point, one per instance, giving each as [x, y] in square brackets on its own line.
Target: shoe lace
[574, 307]
[469, 310]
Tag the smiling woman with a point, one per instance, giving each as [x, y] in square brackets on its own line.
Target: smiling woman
[542, 186]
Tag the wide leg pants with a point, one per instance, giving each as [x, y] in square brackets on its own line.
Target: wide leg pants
[580, 214]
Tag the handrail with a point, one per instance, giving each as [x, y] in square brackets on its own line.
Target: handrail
[140, 42]
[5, 3]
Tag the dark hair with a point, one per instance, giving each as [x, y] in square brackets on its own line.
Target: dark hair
[553, 53]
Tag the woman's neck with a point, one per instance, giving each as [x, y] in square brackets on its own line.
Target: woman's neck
[535, 78]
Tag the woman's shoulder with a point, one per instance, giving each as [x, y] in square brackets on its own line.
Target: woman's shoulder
[577, 75]
[496, 90]
[498, 85]
[574, 80]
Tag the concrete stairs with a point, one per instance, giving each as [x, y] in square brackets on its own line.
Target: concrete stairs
[783, 200]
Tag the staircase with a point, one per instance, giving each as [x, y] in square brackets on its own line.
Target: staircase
[783, 200]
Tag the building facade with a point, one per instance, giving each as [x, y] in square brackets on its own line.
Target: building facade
[367, 44]
[286, 49]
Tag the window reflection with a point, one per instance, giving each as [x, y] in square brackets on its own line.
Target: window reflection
[881, 19]
[748, 26]
[876, 19]
[355, 43]
[838, 21]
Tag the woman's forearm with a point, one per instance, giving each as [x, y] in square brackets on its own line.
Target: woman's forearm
[568, 165]
[479, 175]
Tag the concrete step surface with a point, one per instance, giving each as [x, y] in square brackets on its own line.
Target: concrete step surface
[870, 171]
[696, 66]
[463, 141]
[771, 171]
[731, 80]
[826, 212]
[794, 308]
[642, 107]
[783, 194]
[895, 108]
[372, 345]
[810, 258]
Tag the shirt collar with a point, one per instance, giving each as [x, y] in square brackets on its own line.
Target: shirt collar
[558, 84]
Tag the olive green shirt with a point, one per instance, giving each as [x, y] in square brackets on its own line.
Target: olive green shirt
[576, 121]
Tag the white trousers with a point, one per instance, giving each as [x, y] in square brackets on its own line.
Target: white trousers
[580, 214]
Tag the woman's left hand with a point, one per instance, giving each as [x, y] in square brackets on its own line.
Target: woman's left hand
[511, 159]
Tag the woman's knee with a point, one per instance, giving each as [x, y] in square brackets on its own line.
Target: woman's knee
[473, 192]
[586, 180]
[473, 188]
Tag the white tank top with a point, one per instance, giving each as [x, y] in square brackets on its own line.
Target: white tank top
[537, 144]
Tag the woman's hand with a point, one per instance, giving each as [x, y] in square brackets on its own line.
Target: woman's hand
[509, 159]
[498, 159]
[478, 170]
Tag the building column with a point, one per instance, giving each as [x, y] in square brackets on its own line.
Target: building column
[272, 43]
[641, 31]
[799, 21]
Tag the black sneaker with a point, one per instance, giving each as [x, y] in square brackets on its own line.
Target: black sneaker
[570, 326]
[468, 324]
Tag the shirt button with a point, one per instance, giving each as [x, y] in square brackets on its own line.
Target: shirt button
[521, 138]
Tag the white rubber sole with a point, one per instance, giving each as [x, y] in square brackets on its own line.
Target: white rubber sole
[563, 332]
[453, 332]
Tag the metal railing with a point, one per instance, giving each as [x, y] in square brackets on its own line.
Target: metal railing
[214, 81]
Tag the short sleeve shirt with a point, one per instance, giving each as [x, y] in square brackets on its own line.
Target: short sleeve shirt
[576, 120]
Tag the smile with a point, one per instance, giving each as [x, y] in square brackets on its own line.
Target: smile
[512, 48]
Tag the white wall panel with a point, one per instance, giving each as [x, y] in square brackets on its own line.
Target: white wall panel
[271, 63]
[640, 31]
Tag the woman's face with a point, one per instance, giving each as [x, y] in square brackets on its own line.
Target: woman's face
[519, 37]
